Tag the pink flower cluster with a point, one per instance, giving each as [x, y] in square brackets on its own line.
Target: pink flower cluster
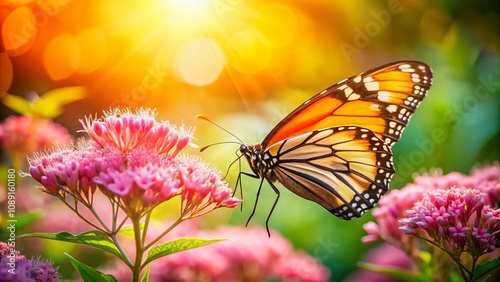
[25, 134]
[135, 162]
[248, 255]
[456, 213]
[456, 220]
[394, 206]
[16, 267]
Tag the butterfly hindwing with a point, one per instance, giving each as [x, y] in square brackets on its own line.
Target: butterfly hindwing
[344, 169]
[381, 100]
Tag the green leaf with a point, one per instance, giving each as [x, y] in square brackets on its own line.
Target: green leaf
[483, 269]
[129, 229]
[17, 104]
[397, 273]
[94, 238]
[177, 246]
[25, 219]
[50, 103]
[145, 278]
[89, 274]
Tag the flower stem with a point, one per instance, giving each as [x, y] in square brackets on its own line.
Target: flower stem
[124, 255]
[139, 249]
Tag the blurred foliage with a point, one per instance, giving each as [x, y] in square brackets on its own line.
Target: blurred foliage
[49, 106]
[245, 65]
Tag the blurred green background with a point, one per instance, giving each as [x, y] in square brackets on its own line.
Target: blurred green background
[246, 64]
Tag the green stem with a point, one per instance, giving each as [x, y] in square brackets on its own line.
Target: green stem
[145, 230]
[139, 248]
[124, 255]
[463, 270]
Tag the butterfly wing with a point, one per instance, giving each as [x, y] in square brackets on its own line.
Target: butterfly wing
[344, 169]
[382, 100]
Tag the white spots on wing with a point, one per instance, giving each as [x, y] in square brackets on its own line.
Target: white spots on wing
[372, 86]
[384, 96]
[343, 86]
[408, 70]
[368, 79]
[357, 79]
[375, 107]
[404, 66]
[392, 108]
[354, 96]
[342, 81]
[348, 91]
[415, 77]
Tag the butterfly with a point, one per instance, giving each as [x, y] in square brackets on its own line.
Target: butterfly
[335, 148]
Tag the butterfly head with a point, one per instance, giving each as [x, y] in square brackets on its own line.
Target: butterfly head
[253, 154]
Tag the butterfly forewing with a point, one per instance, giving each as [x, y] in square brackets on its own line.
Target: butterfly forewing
[381, 100]
[344, 169]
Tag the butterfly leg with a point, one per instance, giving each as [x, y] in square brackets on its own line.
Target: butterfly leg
[272, 208]
[256, 198]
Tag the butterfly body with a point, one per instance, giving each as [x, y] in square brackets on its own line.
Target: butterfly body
[335, 148]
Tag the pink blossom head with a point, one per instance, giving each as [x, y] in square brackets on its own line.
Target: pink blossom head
[202, 189]
[393, 207]
[24, 269]
[134, 161]
[455, 220]
[126, 131]
[24, 135]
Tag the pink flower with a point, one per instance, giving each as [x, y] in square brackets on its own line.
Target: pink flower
[24, 269]
[449, 217]
[384, 255]
[454, 212]
[249, 256]
[393, 207]
[202, 189]
[24, 135]
[135, 162]
[127, 131]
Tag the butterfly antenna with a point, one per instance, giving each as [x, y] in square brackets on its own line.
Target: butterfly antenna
[218, 143]
[206, 119]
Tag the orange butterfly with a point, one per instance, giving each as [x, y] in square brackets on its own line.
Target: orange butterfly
[335, 149]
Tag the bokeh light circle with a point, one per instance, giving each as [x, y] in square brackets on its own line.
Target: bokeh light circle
[199, 61]
[61, 57]
[19, 31]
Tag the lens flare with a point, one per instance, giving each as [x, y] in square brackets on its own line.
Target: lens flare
[199, 62]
